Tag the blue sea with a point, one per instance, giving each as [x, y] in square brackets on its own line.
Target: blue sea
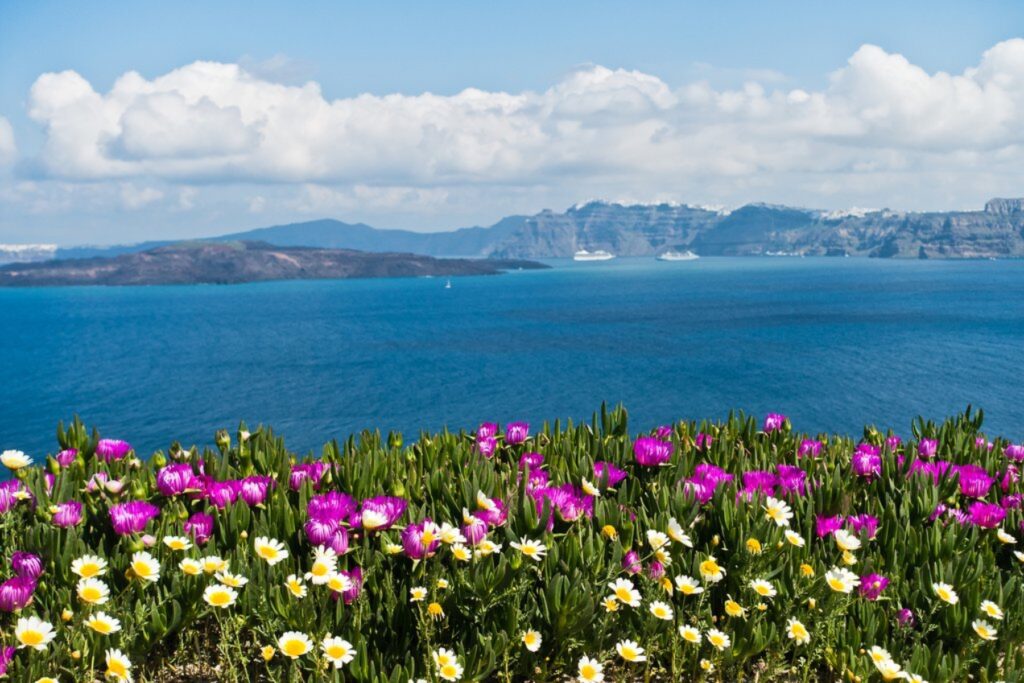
[832, 343]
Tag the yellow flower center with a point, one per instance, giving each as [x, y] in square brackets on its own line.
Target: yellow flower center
[294, 648]
[100, 626]
[623, 593]
[87, 571]
[588, 671]
[117, 668]
[141, 569]
[219, 598]
[91, 594]
[337, 651]
[31, 638]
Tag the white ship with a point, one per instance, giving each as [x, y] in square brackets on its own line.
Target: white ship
[678, 256]
[599, 255]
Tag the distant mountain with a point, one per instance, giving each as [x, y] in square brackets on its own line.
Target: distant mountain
[646, 230]
[26, 253]
[236, 262]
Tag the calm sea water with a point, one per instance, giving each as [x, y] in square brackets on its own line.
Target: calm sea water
[833, 343]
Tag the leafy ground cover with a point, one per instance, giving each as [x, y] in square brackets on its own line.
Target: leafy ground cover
[722, 551]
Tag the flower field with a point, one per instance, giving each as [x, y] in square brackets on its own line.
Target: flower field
[719, 551]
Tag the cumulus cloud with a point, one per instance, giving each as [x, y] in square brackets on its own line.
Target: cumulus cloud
[879, 118]
[8, 150]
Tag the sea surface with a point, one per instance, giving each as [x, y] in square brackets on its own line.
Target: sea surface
[833, 343]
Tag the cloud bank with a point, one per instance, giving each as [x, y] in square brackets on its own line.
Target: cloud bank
[881, 129]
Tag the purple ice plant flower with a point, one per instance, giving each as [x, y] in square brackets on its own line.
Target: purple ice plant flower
[773, 422]
[1014, 501]
[759, 481]
[810, 448]
[936, 469]
[487, 446]
[614, 475]
[982, 442]
[1010, 477]
[474, 529]
[867, 461]
[975, 481]
[826, 526]
[532, 461]
[421, 540]
[872, 585]
[65, 457]
[313, 471]
[650, 451]
[16, 593]
[335, 506]
[493, 511]
[664, 432]
[26, 565]
[67, 514]
[926, 448]
[173, 480]
[355, 575]
[320, 531]
[905, 618]
[893, 443]
[538, 479]
[339, 541]
[703, 441]
[570, 502]
[380, 513]
[200, 527]
[1014, 451]
[487, 430]
[222, 493]
[517, 432]
[132, 517]
[986, 515]
[655, 570]
[864, 523]
[631, 562]
[253, 490]
[6, 657]
[112, 449]
[792, 480]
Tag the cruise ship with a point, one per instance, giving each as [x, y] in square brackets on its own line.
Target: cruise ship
[599, 255]
[678, 256]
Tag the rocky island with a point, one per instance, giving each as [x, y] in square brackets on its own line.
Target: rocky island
[243, 261]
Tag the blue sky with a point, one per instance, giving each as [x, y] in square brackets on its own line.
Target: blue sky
[652, 51]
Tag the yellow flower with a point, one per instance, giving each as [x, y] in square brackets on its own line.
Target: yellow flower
[688, 585]
[531, 640]
[718, 639]
[794, 538]
[763, 588]
[145, 567]
[220, 596]
[610, 604]
[609, 532]
[625, 592]
[590, 670]
[754, 546]
[93, 592]
[630, 651]
[461, 553]
[711, 571]
[103, 623]
[689, 634]
[442, 584]
[212, 564]
[666, 584]
[67, 615]
[177, 542]
[88, 566]
[991, 609]
[849, 558]
[778, 511]
[190, 567]
[294, 644]
[417, 594]
[845, 540]
[841, 580]
[232, 580]
[118, 665]
[706, 665]
[535, 550]
[295, 586]
[806, 570]
[985, 630]
[435, 610]
[270, 550]
[267, 652]
[338, 651]
[798, 632]
[661, 610]
[734, 609]
[812, 603]
[945, 593]
[33, 632]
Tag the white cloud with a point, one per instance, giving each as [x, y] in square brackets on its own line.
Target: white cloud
[878, 127]
[8, 150]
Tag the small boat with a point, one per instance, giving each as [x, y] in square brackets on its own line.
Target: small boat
[599, 255]
[448, 284]
[678, 256]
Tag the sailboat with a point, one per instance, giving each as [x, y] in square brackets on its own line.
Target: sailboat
[448, 284]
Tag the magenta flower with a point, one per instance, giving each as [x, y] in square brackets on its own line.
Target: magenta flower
[826, 526]
[532, 461]
[986, 515]
[759, 481]
[320, 531]
[974, 481]
[66, 457]
[936, 469]
[173, 480]
[810, 448]
[314, 471]
[905, 618]
[26, 565]
[703, 441]
[333, 505]
[475, 530]
[112, 449]
[655, 570]
[664, 432]
[132, 517]
[538, 479]
[1014, 501]
[356, 576]
[253, 490]
[339, 541]
[16, 593]
[8, 489]
[493, 517]
[927, 448]
[487, 446]
[864, 522]
[380, 513]
[866, 461]
[631, 562]
[222, 493]
[773, 422]
[486, 430]
[982, 442]
[614, 475]
[68, 514]
[569, 502]
[420, 540]
[6, 656]
[1010, 477]
[893, 443]
[792, 480]
[517, 432]
[872, 585]
[1015, 452]
[200, 527]
[652, 452]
